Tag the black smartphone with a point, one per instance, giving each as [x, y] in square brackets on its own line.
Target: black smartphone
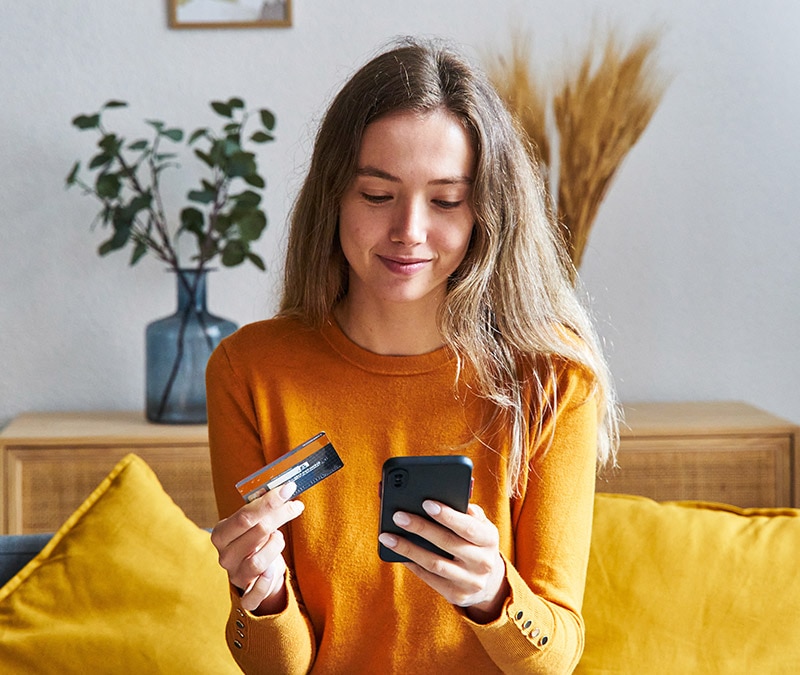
[408, 481]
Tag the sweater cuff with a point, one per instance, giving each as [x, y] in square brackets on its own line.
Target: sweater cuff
[272, 637]
[525, 623]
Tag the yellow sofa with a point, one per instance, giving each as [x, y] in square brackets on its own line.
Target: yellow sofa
[130, 585]
[683, 588]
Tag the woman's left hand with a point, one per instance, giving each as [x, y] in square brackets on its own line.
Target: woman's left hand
[476, 577]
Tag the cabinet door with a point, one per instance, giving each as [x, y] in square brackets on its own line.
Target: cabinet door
[743, 471]
[44, 485]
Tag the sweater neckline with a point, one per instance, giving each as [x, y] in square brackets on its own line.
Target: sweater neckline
[380, 363]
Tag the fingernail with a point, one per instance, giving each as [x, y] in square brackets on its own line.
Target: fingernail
[401, 519]
[431, 508]
[287, 490]
[388, 540]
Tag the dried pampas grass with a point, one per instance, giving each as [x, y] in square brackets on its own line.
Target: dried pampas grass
[594, 118]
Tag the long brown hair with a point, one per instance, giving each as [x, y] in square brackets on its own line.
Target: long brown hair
[511, 301]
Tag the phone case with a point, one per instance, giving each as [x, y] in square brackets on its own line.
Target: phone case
[408, 481]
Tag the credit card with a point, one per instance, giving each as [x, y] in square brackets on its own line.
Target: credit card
[306, 465]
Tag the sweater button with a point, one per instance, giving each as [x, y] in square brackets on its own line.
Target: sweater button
[237, 644]
[519, 616]
[527, 625]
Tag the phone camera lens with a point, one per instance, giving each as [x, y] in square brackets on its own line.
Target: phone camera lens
[399, 478]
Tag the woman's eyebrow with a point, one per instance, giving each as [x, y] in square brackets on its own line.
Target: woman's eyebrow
[374, 172]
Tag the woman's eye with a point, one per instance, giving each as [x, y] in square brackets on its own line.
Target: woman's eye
[444, 204]
[375, 199]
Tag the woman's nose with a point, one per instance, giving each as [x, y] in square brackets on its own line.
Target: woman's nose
[409, 224]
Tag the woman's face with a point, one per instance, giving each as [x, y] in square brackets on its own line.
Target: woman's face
[406, 218]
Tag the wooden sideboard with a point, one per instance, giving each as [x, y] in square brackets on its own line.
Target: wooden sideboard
[716, 451]
[50, 463]
[726, 452]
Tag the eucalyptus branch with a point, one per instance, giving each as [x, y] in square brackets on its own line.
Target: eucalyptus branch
[159, 212]
[223, 223]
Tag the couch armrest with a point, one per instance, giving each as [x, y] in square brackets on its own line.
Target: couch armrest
[16, 550]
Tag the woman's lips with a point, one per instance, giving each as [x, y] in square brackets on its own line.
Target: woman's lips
[406, 266]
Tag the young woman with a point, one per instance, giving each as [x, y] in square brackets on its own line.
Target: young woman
[426, 311]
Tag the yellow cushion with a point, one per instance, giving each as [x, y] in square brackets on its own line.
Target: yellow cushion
[127, 585]
[690, 587]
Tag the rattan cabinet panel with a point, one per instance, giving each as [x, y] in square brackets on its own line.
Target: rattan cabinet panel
[727, 452]
[51, 462]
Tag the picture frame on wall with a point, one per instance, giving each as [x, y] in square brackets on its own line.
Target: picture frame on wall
[230, 13]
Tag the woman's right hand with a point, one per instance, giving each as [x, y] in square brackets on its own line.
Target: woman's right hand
[250, 548]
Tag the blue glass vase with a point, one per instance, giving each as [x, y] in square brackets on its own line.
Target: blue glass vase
[178, 347]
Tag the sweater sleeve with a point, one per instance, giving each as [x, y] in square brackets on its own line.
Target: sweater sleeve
[540, 629]
[280, 643]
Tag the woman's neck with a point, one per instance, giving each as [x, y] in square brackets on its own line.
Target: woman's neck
[391, 331]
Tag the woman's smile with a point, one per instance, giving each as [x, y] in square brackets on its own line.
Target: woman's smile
[401, 265]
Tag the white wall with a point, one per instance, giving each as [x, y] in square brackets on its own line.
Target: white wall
[692, 265]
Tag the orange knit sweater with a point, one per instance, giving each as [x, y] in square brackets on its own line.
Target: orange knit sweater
[274, 384]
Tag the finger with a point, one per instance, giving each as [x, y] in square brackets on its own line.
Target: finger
[448, 535]
[477, 511]
[434, 533]
[245, 569]
[472, 545]
[268, 512]
[264, 585]
[472, 526]
[463, 554]
[419, 556]
[276, 568]
[447, 577]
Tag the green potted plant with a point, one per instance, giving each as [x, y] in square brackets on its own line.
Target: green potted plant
[223, 218]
